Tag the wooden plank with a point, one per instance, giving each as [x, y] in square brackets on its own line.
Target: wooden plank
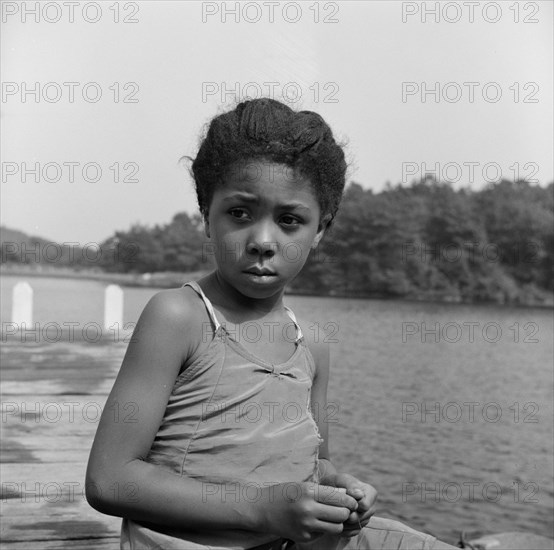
[45, 515]
[74, 451]
[45, 444]
[60, 385]
[53, 411]
[100, 543]
[71, 506]
[40, 472]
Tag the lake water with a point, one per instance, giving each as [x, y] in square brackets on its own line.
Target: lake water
[446, 409]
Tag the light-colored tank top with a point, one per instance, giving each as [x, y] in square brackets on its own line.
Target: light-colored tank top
[233, 417]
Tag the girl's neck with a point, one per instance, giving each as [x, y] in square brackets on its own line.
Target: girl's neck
[226, 296]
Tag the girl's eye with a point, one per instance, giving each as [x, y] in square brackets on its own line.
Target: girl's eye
[290, 220]
[238, 213]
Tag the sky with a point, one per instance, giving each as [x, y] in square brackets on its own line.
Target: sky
[99, 104]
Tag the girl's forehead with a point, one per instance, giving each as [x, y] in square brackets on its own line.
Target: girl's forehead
[267, 178]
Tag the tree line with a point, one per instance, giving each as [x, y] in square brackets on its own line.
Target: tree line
[423, 241]
[430, 241]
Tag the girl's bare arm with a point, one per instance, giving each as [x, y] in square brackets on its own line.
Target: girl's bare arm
[119, 482]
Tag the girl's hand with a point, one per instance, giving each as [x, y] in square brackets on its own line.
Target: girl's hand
[365, 494]
[303, 512]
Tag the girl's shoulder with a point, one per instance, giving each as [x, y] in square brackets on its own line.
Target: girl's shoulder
[176, 315]
[177, 305]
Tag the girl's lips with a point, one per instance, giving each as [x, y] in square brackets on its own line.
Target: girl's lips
[260, 278]
[260, 272]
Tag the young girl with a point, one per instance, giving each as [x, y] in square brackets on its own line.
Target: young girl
[225, 452]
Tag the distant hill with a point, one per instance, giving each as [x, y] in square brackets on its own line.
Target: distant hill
[32, 256]
[8, 235]
[17, 247]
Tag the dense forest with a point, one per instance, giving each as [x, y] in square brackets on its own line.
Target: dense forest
[423, 241]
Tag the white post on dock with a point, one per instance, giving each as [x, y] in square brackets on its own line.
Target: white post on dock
[113, 307]
[22, 304]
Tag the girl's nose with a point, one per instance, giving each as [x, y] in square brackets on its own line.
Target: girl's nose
[262, 243]
[261, 248]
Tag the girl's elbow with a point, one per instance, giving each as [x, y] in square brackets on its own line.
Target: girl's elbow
[108, 488]
[98, 493]
[94, 494]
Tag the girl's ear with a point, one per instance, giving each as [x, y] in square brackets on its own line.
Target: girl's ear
[323, 224]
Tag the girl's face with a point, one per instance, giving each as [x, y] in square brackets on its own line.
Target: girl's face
[262, 223]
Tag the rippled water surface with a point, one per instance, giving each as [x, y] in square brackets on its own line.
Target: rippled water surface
[446, 409]
[456, 434]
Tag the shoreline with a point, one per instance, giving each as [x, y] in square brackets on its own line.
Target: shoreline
[147, 280]
[165, 280]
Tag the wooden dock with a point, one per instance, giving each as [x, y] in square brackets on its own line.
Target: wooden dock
[52, 394]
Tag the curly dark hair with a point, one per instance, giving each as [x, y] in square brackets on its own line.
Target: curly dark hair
[268, 129]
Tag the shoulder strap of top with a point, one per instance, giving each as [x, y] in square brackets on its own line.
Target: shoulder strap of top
[299, 334]
[196, 287]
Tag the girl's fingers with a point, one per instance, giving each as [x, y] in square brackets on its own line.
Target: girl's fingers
[330, 528]
[334, 496]
[366, 513]
[357, 520]
[332, 514]
[354, 517]
[369, 499]
[353, 487]
[356, 492]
